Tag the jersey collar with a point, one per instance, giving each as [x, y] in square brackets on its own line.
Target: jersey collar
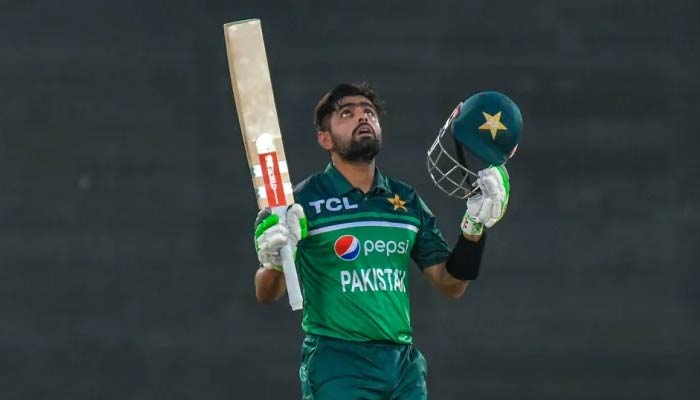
[342, 186]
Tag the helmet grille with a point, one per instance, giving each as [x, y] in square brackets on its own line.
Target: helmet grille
[446, 166]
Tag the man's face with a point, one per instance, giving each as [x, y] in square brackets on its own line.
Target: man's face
[354, 129]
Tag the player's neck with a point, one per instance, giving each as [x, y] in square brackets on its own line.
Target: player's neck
[359, 174]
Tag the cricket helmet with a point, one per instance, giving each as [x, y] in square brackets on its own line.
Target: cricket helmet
[482, 131]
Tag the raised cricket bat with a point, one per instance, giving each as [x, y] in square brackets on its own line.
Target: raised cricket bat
[257, 115]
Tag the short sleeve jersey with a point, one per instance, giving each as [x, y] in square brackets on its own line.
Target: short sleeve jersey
[353, 265]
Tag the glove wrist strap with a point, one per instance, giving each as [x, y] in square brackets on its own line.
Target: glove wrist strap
[471, 226]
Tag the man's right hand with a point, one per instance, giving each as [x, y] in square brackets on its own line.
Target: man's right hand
[271, 235]
[488, 206]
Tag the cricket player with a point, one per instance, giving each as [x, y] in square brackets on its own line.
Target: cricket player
[356, 231]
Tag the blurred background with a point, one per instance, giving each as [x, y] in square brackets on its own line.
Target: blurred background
[126, 256]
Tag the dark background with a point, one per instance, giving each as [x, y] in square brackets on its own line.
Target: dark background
[126, 258]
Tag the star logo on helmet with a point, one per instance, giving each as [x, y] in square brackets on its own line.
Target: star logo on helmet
[397, 202]
[493, 124]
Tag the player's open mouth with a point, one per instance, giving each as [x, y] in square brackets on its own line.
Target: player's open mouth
[364, 129]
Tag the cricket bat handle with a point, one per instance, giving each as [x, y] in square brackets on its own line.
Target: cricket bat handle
[289, 268]
[291, 279]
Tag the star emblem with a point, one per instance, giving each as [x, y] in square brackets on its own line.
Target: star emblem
[397, 202]
[493, 123]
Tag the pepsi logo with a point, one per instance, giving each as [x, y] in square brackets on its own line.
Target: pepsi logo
[347, 247]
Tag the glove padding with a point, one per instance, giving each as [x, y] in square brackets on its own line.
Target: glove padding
[296, 224]
[271, 234]
[489, 206]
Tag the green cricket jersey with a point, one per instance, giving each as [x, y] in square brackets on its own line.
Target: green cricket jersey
[353, 265]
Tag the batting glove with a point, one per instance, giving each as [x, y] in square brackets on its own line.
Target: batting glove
[271, 234]
[487, 207]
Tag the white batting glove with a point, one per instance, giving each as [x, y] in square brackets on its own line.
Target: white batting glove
[271, 234]
[270, 237]
[296, 223]
[487, 207]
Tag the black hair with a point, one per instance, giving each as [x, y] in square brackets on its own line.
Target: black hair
[329, 102]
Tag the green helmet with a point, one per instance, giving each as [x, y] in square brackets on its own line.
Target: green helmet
[489, 125]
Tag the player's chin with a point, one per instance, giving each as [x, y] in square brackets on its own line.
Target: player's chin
[362, 151]
[365, 157]
[370, 150]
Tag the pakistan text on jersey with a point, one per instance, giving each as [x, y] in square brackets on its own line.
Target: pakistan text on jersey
[373, 280]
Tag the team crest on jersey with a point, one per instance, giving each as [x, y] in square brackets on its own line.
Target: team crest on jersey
[347, 247]
[397, 203]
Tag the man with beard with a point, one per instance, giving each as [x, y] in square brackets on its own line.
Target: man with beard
[355, 232]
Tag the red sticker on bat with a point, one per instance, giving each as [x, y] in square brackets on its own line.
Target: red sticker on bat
[272, 178]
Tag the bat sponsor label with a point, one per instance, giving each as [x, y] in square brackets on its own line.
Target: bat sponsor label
[272, 178]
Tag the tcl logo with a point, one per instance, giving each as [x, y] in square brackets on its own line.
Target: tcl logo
[332, 204]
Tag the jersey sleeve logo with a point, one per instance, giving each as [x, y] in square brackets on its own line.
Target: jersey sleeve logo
[397, 202]
[347, 247]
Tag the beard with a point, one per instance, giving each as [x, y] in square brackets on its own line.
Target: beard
[361, 148]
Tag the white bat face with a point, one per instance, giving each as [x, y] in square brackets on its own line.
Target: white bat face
[255, 104]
